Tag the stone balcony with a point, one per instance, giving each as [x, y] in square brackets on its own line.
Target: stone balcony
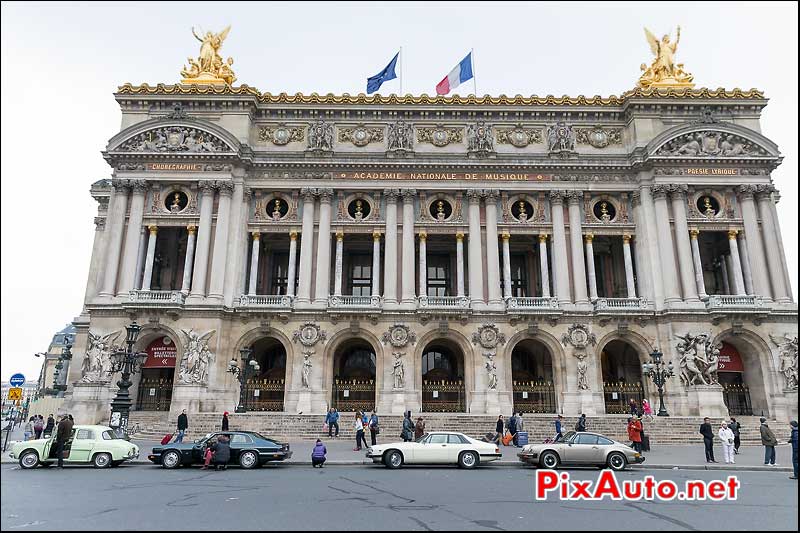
[161, 299]
[265, 301]
[717, 302]
[531, 304]
[346, 303]
[444, 304]
[623, 305]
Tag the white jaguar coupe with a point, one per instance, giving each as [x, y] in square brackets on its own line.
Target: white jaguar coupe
[443, 448]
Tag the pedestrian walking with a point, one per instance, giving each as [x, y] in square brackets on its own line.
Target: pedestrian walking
[635, 433]
[769, 442]
[726, 436]
[332, 420]
[736, 427]
[318, 454]
[634, 409]
[498, 430]
[512, 428]
[419, 428]
[359, 427]
[408, 428]
[559, 429]
[520, 429]
[580, 425]
[708, 439]
[222, 452]
[38, 426]
[647, 410]
[51, 424]
[793, 442]
[225, 421]
[374, 429]
[28, 430]
[183, 425]
[63, 434]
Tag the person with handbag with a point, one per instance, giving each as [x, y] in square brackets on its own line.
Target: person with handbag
[726, 436]
[359, 428]
[374, 429]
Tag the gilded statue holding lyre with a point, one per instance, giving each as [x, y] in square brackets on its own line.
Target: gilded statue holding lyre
[209, 67]
[663, 71]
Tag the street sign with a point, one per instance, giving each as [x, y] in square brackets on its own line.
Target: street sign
[17, 380]
[15, 393]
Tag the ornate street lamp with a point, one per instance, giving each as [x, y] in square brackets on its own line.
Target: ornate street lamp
[251, 366]
[659, 373]
[128, 363]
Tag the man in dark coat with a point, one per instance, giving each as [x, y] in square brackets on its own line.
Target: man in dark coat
[63, 434]
[793, 442]
[222, 452]
[736, 427]
[580, 425]
[183, 425]
[769, 442]
[225, 421]
[51, 424]
[708, 439]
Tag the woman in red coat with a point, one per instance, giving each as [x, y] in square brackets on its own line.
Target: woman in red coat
[635, 433]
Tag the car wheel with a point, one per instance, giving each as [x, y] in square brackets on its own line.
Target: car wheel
[248, 459]
[393, 459]
[468, 460]
[549, 460]
[29, 459]
[617, 462]
[102, 460]
[171, 459]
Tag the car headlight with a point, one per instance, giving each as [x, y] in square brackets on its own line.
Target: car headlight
[369, 451]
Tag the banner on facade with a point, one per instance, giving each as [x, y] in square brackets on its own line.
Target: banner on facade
[729, 359]
[161, 354]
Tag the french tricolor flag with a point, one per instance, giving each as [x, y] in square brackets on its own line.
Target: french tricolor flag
[457, 76]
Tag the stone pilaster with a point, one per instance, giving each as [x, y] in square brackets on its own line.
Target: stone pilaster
[291, 270]
[131, 245]
[376, 263]
[423, 263]
[771, 244]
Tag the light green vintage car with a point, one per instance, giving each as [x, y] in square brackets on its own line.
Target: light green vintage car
[98, 445]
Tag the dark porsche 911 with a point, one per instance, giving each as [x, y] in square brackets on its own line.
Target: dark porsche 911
[248, 450]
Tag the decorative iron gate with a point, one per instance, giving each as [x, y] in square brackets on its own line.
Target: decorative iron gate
[350, 395]
[737, 399]
[443, 396]
[534, 397]
[155, 394]
[264, 394]
[618, 397]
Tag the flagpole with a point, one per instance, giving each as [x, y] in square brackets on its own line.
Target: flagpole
[474, 81]
[401, 71]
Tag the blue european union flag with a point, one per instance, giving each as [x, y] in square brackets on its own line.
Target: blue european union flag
[374, 83]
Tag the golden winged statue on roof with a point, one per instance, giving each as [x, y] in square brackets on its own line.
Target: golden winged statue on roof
[663, 71]
[209, 67]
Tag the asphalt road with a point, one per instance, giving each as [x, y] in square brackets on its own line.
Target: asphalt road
[362, 498]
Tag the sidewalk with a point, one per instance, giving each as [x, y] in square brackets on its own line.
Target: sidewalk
[684, 457]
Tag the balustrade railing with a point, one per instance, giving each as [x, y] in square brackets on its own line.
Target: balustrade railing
[157, 297]
[444, 302]
[531, 303]
[613, 304]
[729, 300]
[265, 301]
[354, 302]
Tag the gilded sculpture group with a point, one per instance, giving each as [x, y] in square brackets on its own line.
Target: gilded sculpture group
[209, 67]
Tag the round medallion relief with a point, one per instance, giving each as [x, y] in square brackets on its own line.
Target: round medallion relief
[440, 209]
[358, 209]
[604, 211]
[281, 136]
[522, 210]
[361, 137]
[439, 137]
[277, 208]
[176, 201]
[708, 205]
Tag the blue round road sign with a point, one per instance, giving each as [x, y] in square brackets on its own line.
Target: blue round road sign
[17, 380]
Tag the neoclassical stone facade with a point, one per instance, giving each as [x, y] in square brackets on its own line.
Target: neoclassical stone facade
[440, 254]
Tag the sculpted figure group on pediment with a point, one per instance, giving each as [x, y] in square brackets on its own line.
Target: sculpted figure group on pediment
[174, 139]
[711, 143]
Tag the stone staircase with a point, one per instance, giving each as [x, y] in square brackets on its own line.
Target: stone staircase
[288, 427]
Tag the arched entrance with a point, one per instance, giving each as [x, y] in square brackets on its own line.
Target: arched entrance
[739, 372]
[532, 378]
[443, 378]
[354, 376]
[265, 391]
[158, 374]
[622, 376]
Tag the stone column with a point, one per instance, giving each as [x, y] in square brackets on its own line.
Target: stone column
[698, 265]
[98, 254]
[140, 255]
[116, 221]
[588, 238]
[771, 244]
[337, 279]
[187, 261]
[492, 252]
[543, 266]
[254, 256]
[576, 238]
[238, 238]
[665, 247]
[784, 265]
[219, 259]
[755, 243]
[460, 264]
[560, 262]
[626, 252]
[306, 246]
[727, 274]
[506, 265]
[736, 263]
[684, 247]
[390, 248]
[203, 239]
[291, 269]
[745, 256]
[423, 263]
[323, 280]
[131, 245]
[648, 264]
[475, 253]
[151, 255]
[408, 294]
[376, 263]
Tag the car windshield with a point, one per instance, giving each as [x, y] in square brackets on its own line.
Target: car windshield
[568, 436]
[109, 434]
[203, 439]
[422, 438]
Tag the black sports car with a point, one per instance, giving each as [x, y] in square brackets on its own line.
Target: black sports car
[248, 449]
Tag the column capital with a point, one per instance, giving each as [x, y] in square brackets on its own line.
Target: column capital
[659, 191]
[408, 195]
[256, 235]
[491, 195]
[225, 188]
[191, 229]
[542, 238]
[391, 195]
[763, 192]
[120, 184]
[678, 190]
[293, 235]
[339, 235]
[626, 238]
[506, 236]
[589, 237]
[153, 229]
[308, 193]
[636, 198]
[423, 235]
[574, 197]
[694, 232]
[376, 235]
[139, 186]
[474, 195]
[557, 197]
[206, 186]
[732, 233]
[325, 195]
[747, 191]
[459, 236]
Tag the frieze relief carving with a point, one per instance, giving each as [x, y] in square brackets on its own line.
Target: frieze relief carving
[711, 143]
[561, 140]
[598, 137]
[197, 359]
[400, 136]
[440, 135]
[519, 136]
[787, 346]
[480, 140]
[399, 336]
[97, 363]
[320, 136]
[281, 134]
[361, 135]
[309, 334]
[175, 139]
[488, 336]
[579, 336]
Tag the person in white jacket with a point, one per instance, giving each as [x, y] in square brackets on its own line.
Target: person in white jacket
[727, 438]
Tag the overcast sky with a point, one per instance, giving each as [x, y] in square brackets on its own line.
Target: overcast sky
[62, 62]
